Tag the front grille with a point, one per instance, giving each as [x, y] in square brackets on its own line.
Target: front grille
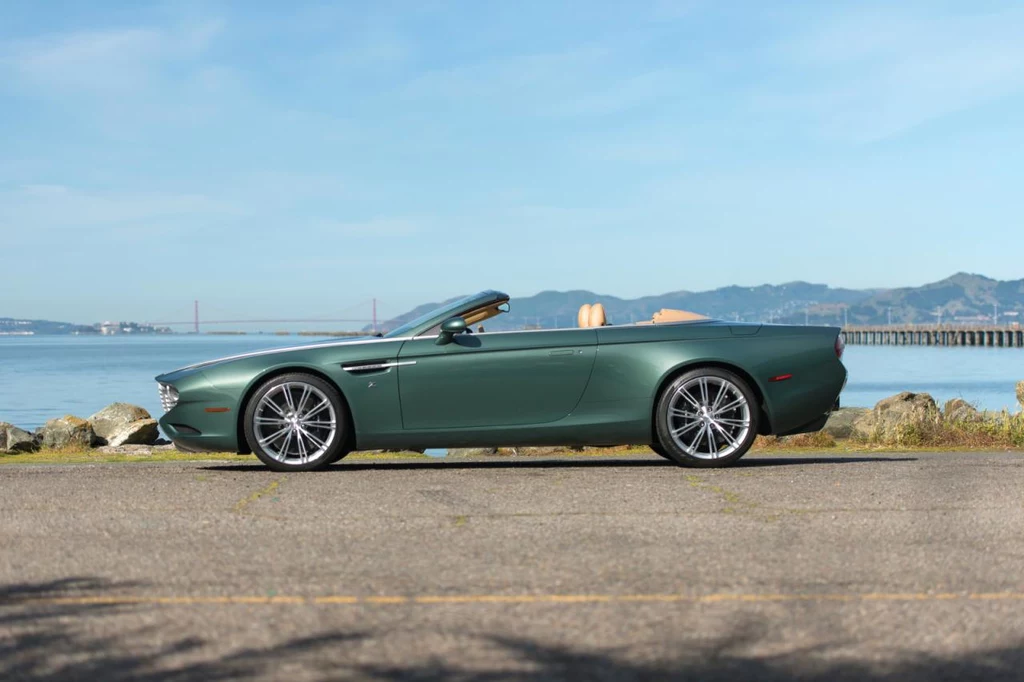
[168, 397]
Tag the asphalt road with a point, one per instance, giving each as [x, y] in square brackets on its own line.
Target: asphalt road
[807, 567]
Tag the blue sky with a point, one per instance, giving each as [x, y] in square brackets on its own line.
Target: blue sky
[290, 159]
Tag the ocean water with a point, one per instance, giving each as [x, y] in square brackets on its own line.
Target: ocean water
[42, 377]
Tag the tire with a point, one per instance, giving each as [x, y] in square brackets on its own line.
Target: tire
[707, 417]
[656, 447]
[297, 422]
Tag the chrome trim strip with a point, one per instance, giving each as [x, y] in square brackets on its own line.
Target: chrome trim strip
[270, 351]
[378, 365]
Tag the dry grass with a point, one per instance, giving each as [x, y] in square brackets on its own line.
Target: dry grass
[820, 440]
[78, 456]
[999, 430]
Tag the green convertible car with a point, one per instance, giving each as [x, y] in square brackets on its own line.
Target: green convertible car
[698, 392]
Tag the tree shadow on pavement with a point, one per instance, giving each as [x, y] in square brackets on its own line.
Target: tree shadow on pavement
[713, 661]
[582, 463]
[48, 632]
[45, 635]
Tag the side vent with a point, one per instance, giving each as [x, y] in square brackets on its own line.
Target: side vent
[373, 366]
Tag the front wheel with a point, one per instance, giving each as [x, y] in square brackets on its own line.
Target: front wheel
[707, 417]
[296, 422]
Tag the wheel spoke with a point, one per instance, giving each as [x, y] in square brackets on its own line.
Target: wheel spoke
[316, 441]
[703, 383]
[685, 394]
[683, 429]
[288, 398]
[269, 402]
[731, 406]
[316, 410]
[733, 422]
[271, 420]
[303, 457]
[729, 439]
[718, 398]
[676, 412]
[274, 436]
[712, 445]
[306, 391]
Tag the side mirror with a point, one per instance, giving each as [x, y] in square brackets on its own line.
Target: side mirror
[449, 328]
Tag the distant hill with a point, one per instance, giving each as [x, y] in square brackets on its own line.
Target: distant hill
[961, 297]
[10, 325]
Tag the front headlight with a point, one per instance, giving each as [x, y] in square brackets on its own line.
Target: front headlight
[168, 396]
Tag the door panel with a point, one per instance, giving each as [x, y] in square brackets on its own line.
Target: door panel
[494, 379]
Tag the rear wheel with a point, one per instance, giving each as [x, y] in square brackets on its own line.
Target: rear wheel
[658, 450]
[707, 417]
[297, 422]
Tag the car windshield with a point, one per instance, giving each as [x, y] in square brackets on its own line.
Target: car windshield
[443, 311]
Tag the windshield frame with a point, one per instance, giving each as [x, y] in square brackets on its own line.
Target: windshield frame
[440, 314]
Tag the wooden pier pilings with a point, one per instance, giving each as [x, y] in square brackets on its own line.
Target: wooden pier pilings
[932, 335]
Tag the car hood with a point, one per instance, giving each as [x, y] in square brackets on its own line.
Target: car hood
[170, 377]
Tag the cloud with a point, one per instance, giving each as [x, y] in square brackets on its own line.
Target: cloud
[375, 227]
[27, 209]
[583, 81]
[102, 61]
[870, 75]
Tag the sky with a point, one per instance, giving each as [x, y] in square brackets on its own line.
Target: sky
[299, 159]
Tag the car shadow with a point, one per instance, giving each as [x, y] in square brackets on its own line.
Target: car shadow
[554, 463]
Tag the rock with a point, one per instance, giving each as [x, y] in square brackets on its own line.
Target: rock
[848, 422]
[959, 410]
[115, 417]
[471, 452]
[140, 432]
[906, 407]
[135, 450]
[68, 431]
[1020, 393]
[14, 440]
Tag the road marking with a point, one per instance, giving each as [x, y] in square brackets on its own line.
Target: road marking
[246, 501]
[725, 597]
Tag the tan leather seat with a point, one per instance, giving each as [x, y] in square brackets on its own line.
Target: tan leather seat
[670, 315]
[583, 317]
[591, 315]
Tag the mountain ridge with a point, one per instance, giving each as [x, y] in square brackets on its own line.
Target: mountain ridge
[961, 297]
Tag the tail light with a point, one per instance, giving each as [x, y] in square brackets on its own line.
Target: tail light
[840, 346]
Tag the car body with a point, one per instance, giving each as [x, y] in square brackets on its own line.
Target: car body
[433, 383]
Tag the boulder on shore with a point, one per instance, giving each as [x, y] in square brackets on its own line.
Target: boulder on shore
[848, 422]
[139, 432]
[906, 407]
[115, 417]
[68, 431]
[14, 440]
[959, 410]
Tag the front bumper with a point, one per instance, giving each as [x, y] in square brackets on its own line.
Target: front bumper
[204, 419]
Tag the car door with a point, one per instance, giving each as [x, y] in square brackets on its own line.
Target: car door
[494, 379]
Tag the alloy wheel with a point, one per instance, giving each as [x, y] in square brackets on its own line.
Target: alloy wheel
[708, 417]
[295, 423]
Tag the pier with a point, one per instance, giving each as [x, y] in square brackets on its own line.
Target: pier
[934, 335]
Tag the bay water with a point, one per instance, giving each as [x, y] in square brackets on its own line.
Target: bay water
[42, 377]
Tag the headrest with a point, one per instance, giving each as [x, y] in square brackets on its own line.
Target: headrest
[583, 318]
[591, 315]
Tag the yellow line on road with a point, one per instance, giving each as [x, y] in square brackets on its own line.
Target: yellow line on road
[724, 597]
[246, 501]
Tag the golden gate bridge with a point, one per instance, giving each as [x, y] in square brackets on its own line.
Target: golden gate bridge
[195, 322]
